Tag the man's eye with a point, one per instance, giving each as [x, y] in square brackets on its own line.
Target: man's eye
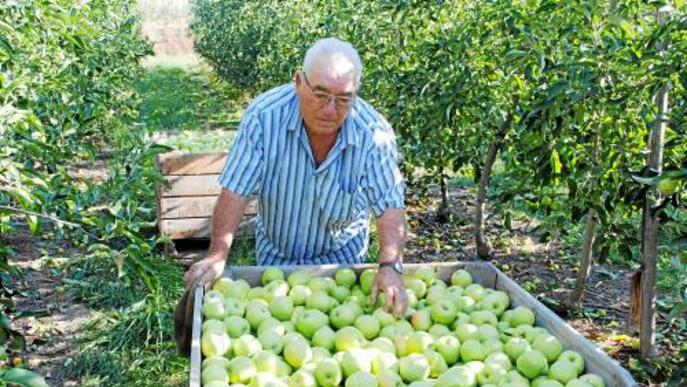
[321, 96]
[345, 100]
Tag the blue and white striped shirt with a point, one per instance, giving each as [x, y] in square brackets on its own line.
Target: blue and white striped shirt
[310, 214]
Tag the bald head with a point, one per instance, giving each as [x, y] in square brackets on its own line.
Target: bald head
[336, 57]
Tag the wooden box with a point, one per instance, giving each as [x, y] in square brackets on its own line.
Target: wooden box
[484, 273]
[187, 199]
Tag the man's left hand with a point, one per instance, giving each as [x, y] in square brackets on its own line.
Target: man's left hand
[388, 281]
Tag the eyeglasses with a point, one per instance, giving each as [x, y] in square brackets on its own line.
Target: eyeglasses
[322, 98]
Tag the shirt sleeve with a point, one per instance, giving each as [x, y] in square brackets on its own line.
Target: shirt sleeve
[243, 170]
[383, 183]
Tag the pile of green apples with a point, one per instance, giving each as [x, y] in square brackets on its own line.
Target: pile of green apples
[306, 330]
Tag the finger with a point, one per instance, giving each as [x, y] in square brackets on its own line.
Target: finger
[401, 303]
[374, 292]
[389, 302]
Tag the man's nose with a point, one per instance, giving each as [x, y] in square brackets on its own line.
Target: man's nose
[329, 107]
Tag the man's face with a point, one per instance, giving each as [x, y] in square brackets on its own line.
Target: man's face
[326, 97]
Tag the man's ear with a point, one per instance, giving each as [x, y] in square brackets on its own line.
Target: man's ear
[297, 78]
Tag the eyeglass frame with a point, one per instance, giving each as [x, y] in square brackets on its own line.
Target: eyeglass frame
[338, 102]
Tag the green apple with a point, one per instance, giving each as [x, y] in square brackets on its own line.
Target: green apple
[472, 349]
[298, 277]
[321, 284]
[213, 295]
[543, 381]
[389, 331]
[453, 293]
[461, 278]
[475, 291]
[256, 315]
[277, 288]
[271, 324]
[302, 378]
[345, 277]
[531, 363]
[234, 307]
[513, 378]
[266, 379]
[515, 346]
[236, 326]
[266, 361]
[272, 274]
[465, 304]
[492, 345]
[421, 320]
[356, 359]
[294, 336]
[288, 326]
[491, 374]
[221, 284]
[437, 364]
[328, 373]
[271, 341]
[449, 347]
[427, 274]
[258, 293]
[577, 383]
[493, 303]
[486, 331]
[339, 293]
[215, 361]
[435, 294]
[319, 300]
[466, 332]
[361, 379]
[385, 318]
[593, 379]
[563, 371]
[535, 332]
[383, 361]
[522, 315]
[404, 327]
[475, 366]
[418, 286]
[438, 330]
[241, 370]
[297, 313]
[212, 325]
[367, 278]
[215, 343]
[214, 373]
[419, 342]
[217, 383]
[299, 294]
[310, 321]
[413, 367]
[246, 345]
[457, 376]
[324, 337]
[349, 338]
[383, 344]
[237, 289]
[281, 307]
[480, 317]
[342, 316]
[214, 309]
[500, 359]
[401, 344]
[368, 325]
[574, 358]
[297, 353]
[461, 318]
[549, 346]
[389, 379]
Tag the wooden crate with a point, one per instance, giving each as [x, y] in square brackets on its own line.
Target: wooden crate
[484, 273]
[186, 201]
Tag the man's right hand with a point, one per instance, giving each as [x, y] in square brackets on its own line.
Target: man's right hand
[204, 272]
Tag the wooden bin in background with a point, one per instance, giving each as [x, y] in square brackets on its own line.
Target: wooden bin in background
[186, 201]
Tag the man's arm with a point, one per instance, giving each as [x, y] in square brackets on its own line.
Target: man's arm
[391, 227]
[226, 217]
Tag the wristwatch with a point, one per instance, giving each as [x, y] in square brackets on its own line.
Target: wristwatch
[396, 265]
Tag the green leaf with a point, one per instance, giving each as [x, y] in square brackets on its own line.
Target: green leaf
[24, 378]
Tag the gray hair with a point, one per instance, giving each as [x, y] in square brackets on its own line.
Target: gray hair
[333, 50]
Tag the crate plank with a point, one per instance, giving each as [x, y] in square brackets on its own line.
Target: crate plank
[175, 163]
[189, 228]
[200, 185]
[195, 207]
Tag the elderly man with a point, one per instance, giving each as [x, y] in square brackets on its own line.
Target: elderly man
[319, 158]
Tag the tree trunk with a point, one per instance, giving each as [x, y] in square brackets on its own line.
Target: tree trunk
[483, 245]
[651, 220]
[585, 260]
[442, 212]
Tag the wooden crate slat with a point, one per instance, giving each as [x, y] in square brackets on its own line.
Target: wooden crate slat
[200, 228]
[195, 207]
[200, 185]
[174, 163]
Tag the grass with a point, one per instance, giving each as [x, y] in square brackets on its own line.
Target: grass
[190, 110]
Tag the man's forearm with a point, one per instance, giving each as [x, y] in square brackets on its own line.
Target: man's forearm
[226, 217]
[391, 228]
